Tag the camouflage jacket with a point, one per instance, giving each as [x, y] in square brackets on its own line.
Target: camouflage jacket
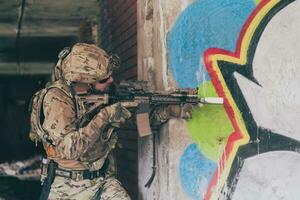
[79, 148]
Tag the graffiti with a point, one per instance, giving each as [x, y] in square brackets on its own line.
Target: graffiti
[186, 43]
[243, 63]
[195, 163]
[266, 67]
[271, 175]
[202, 25]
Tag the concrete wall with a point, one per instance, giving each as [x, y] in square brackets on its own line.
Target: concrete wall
[246, 52]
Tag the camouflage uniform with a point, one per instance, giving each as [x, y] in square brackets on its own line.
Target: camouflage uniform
[78, 149]
[86, 148]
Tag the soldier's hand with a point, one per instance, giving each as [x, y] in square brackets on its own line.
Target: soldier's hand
[180, 111]
[117, 114]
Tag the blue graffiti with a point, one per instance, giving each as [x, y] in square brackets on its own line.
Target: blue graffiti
[202, 25]
[196, 171]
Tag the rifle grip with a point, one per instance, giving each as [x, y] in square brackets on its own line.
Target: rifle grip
[142, 120]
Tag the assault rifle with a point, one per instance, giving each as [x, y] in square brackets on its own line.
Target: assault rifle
[135, 94]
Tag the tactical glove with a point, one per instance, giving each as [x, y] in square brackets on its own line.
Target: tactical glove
[180, 111]
[116, 114]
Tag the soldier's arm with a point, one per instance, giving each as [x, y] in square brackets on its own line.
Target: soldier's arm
[163, 113]
[60, 122]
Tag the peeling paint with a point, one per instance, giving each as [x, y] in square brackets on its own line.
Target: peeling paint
[163, 32]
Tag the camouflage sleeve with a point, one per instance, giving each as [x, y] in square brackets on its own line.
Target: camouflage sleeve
[163, 113]
[60, 123]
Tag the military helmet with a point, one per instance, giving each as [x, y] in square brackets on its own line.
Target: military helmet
[85, 63]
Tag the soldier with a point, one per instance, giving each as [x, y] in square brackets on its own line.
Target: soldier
[79, 164]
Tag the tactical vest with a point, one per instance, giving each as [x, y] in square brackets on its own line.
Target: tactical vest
[104, 144]
[37, 132]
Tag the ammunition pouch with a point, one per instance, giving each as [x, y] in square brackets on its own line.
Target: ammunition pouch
[47, 178]
[37, 132]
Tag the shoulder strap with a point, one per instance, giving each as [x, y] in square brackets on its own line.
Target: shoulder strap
[37, 132]
[63, 87]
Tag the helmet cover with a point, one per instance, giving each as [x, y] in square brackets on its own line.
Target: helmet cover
[87, 63]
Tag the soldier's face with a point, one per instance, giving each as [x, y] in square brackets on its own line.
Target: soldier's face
[103, 86]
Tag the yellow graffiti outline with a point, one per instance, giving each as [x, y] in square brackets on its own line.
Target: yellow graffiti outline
[237, 114]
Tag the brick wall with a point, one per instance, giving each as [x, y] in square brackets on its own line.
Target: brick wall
[118, 34]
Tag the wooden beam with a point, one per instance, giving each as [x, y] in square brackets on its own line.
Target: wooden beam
[41, 28]
[26, 68]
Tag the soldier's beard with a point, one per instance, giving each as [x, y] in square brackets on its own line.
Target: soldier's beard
[107, 88]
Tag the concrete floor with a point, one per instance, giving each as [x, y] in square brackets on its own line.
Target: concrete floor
[12, 188]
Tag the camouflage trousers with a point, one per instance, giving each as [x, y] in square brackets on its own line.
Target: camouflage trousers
[96, 189]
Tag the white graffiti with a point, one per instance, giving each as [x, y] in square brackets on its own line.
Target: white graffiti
[275, 104]
[273, 175]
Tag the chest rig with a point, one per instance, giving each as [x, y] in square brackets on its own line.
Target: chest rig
[37, 132]
[84, 104]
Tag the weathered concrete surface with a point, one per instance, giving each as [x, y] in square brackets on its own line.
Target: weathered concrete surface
[177, 141]
[155, 19]
[218, 46]
[276, 69]
[267, 177]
